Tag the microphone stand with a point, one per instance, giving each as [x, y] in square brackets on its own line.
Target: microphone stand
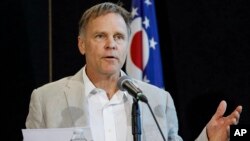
[136, 121]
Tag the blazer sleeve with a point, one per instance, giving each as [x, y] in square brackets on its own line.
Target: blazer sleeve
[172, 120]
[35, 116]
[202, 136]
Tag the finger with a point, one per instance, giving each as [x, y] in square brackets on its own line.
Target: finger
[236, 114]
[221, 109]
[239, 109]
[234, 117]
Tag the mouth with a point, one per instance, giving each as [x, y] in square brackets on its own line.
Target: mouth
[110, 57]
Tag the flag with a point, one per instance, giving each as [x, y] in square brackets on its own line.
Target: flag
[144, 58]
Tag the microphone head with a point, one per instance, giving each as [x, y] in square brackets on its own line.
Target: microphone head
[121, 81]
[125, 84]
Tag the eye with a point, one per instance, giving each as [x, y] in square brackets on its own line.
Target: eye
[99, 36]
[119, 37]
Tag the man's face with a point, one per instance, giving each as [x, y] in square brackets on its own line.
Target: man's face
[105, 44]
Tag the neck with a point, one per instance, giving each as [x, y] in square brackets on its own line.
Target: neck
[105, 82]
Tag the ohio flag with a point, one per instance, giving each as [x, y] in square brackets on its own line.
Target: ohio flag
[144, 58]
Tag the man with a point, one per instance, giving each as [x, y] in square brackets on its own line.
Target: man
[92, 99]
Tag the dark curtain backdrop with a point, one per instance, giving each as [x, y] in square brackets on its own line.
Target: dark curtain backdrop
[205, 51]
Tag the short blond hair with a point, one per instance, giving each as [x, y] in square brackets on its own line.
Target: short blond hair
[103, 9]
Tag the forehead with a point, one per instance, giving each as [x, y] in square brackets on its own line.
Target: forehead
[107, 21]
[108, 18]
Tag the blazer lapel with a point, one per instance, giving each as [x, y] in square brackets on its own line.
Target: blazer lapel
[77, 103]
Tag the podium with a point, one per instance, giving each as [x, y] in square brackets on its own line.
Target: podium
[57, 134]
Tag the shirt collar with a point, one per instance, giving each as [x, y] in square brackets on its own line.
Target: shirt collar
[88, 85]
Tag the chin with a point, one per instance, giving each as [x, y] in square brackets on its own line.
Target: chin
[111, 70]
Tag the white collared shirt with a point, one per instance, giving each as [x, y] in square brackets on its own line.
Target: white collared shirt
[108, 118]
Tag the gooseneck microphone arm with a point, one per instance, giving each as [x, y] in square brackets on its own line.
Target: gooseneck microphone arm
[126, 84]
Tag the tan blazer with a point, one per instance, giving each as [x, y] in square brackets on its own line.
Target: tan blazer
[62, 104]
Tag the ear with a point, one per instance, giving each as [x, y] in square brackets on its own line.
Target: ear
[81, 45]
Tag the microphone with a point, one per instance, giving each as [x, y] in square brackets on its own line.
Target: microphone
[125, 83]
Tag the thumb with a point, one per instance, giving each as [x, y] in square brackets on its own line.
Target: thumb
[221, 109]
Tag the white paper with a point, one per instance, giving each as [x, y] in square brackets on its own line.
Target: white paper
[57, 134]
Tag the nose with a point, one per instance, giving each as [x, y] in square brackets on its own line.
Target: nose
[111, 44]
